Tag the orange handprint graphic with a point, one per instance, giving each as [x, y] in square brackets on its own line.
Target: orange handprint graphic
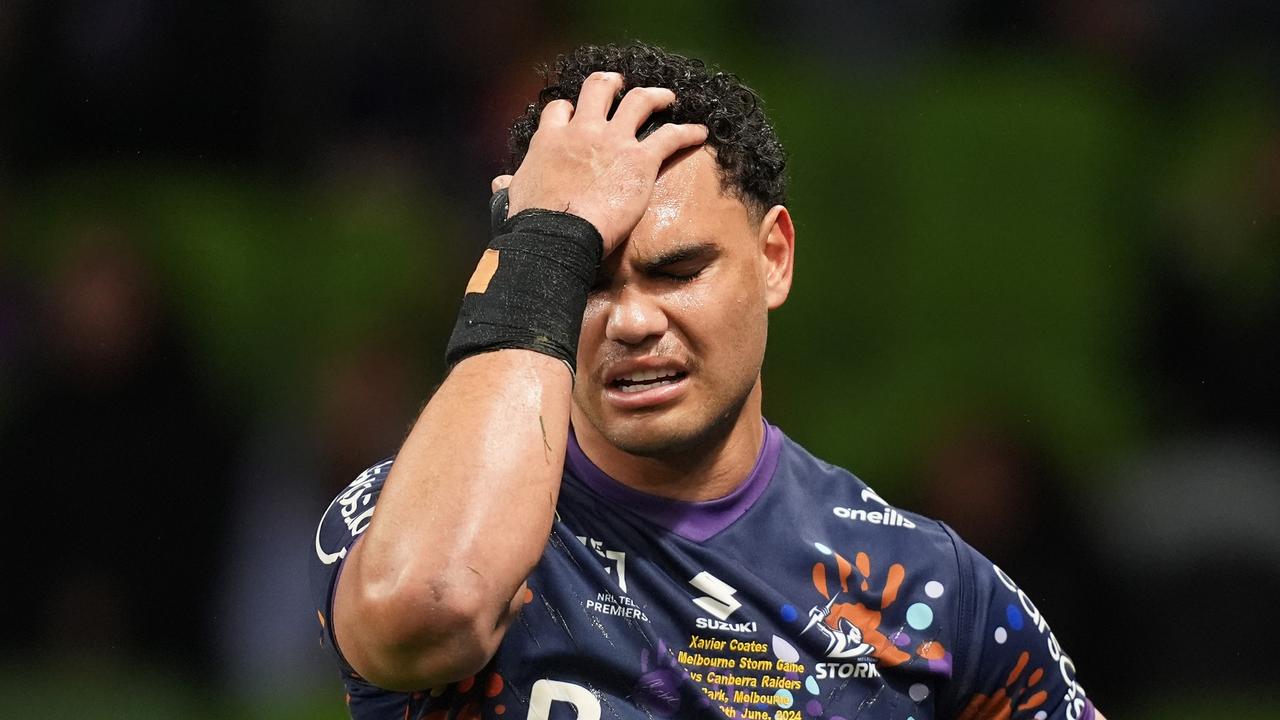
[1014, 696]
[853, 629]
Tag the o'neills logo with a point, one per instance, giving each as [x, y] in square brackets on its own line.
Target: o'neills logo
[888, 516]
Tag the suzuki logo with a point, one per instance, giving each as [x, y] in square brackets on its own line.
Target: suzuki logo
[719, 600]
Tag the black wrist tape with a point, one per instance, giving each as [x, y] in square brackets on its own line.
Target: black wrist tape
[530, 288]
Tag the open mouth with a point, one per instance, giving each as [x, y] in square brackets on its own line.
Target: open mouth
[647, 380]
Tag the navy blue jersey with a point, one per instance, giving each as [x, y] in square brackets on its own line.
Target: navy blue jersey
[802, 594]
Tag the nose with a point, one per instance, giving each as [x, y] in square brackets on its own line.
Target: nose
[634, 317]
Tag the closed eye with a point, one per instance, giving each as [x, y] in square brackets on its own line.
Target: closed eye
[682, 264]
[679, 265]
[679, 275]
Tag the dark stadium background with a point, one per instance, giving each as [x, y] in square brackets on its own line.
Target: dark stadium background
[1038, 292]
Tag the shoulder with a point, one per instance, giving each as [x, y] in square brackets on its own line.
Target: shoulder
[999, 652]
[846, 505]
[857, 530]
[1012, 656]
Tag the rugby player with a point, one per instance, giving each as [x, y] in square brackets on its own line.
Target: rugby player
[591, 517]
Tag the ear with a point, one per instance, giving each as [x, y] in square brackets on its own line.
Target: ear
[778, 247]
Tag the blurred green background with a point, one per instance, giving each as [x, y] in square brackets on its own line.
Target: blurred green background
[1037, 293]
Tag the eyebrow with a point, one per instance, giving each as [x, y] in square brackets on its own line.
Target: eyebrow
[695, 251]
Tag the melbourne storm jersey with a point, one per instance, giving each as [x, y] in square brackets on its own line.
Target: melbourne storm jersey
[802, 594]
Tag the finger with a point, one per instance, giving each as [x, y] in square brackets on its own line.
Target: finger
[639, 104]
[556, 112]
[499, 182]
[671, 138]
[499, 208]
[596, 97]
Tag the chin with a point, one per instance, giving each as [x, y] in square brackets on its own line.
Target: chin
[652, 442]
[663, 434]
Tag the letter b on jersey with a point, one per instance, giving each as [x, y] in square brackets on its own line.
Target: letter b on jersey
[545, 692]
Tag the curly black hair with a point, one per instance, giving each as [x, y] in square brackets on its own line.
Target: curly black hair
[748, 154]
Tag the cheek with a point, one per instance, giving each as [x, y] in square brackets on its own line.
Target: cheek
[593, 316]
[728, 320]
[750, 315]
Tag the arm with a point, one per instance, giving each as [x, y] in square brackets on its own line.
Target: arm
[1014, 665]
[427, 594]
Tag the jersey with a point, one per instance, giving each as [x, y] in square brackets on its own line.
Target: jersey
[802, 594]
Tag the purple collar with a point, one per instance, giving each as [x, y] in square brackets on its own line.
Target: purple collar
[697, 521]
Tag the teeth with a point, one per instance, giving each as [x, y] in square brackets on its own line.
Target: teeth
[645, 380]
[647, 375]
[639, 388]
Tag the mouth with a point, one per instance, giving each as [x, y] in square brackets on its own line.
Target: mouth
[647, 380]
[640, 388]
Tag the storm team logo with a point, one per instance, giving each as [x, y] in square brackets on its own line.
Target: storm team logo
[850, 620]
[844, 640]
[857, 598]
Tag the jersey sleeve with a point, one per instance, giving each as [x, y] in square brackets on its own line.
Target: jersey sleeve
[343, 522]
[1014, 668]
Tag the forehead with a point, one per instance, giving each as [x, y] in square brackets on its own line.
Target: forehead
[688, 205]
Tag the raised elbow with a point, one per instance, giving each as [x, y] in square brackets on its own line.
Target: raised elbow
[414, 635]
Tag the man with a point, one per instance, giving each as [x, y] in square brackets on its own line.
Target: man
[633, 539]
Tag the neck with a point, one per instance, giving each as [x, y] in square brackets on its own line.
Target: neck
[711, 467]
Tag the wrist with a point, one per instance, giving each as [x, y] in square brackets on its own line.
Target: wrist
[530, 288]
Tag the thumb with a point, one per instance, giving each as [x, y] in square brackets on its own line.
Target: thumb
[499, 183]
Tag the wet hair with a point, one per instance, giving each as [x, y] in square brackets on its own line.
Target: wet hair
[749, 157]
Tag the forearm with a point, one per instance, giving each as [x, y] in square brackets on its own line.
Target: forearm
[462, 520]
[426, 595]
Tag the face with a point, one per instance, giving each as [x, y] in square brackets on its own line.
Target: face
[673, 335]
